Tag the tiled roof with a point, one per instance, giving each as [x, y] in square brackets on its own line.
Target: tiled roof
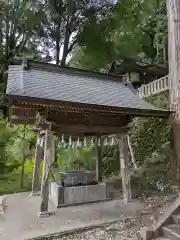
[73, 86]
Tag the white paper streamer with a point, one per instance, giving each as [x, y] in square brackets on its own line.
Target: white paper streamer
[38, 142]
[112, 142]
[73, 144]
[78, 143]
[105, 142]
[92, 142]
[62, 139]
[85, 142]
[70, 141]
[59, 144]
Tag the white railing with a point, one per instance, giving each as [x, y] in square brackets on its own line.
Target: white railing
[155, 87]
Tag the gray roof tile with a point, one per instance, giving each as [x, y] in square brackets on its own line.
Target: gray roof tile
[65, 86]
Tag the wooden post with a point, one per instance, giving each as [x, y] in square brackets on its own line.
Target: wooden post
[49, 153]
[173, 9]
[36, 170]
[123, 155]
[99, 171]
[131, 152]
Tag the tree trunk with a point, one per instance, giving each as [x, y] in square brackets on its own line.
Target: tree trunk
[66, 46]
[1, 164]
[173, 8]
[58, 44]
[22, 175]
[57, 52]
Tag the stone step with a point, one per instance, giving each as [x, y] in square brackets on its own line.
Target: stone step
[176, 219]
[172, 232]
[161, 238]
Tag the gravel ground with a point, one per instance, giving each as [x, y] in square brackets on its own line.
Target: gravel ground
[124, 230]
[127, 229]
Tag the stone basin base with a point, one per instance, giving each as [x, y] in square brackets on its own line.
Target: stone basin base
[60, 195]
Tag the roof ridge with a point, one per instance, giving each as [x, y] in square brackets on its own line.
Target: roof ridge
[77, 71]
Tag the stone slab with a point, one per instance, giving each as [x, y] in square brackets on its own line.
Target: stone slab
[60, 195]
[82, 194]
[74, 178]
[20, 221]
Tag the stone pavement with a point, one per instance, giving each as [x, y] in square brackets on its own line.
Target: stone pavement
[20, 221]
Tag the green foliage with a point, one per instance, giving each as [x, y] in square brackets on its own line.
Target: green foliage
[160, 100]
[97, 36]
[6, 135]
[133, 29]
[77, 158]
[111, 164]
[10, 182]
[151, 140]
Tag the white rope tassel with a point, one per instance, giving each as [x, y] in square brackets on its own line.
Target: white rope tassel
[85, 142]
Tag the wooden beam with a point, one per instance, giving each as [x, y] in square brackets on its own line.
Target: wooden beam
[50, 104]
[92, 130]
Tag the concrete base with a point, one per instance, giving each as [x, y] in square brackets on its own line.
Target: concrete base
[76, 195]
[146, 233]
[43, 214]
[77, 204]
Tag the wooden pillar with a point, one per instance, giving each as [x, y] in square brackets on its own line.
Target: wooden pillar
[99, 171]
[37, 162]
[123, 155]
[49, 150]
[173, 9]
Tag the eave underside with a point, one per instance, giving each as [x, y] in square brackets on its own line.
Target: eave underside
[76, 119]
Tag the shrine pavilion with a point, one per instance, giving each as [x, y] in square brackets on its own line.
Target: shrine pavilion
[72, 102]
